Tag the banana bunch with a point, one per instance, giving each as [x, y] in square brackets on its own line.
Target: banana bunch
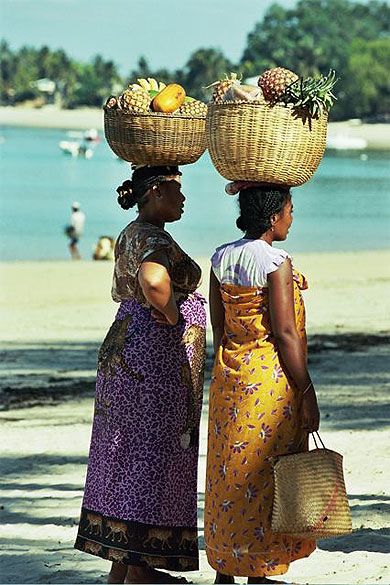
[149, 84]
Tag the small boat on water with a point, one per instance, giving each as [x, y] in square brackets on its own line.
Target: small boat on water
[342, 142]
[75, 148]
[83, 143]
[91, 135]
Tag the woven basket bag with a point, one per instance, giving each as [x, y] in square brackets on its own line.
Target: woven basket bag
[252, 141]
[310, 499]
[155, 138]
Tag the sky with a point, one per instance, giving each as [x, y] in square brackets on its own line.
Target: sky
[166, 32]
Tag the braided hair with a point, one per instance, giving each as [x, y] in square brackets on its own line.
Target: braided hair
[132, 192]
[257, 205]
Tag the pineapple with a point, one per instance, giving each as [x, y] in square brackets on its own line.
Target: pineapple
[193, 109]
[222, 86]
[135, 100]
[274, 83]
[311, 96]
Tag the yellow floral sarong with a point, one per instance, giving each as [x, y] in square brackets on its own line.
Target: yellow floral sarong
[254, 414]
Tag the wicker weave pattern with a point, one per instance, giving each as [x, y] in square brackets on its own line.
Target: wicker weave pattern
[154, 138]
[256, 142]
[310, 499]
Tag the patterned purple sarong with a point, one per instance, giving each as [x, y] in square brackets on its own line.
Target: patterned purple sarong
[140, 500]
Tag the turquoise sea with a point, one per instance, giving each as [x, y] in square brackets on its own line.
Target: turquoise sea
[346, 206]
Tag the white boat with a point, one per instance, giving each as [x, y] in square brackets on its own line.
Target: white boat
[75, 148]
[342, 142]
[91, 135]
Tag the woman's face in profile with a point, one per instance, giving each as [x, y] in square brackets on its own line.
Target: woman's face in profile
[171, 200]
[284, 221]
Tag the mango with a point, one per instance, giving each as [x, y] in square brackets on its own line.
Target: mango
[169, 99]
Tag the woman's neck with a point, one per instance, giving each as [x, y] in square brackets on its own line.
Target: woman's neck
[267, 237]
[145, 217]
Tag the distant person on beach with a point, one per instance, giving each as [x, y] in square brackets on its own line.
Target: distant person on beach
[140, 501]
[104, 249]
[75, 230]
[262, 400]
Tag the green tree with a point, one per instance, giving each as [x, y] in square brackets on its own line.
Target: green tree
[313, 37]
[7, 68]
[270, 43]
[25, 74]
[367, 88]
[87, 89]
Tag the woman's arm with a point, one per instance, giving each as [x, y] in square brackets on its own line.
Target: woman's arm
[154, 279]
[217, 312]
[281, 306]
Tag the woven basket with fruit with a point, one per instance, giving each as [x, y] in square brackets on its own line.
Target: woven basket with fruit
[274, 132]
[154, 123]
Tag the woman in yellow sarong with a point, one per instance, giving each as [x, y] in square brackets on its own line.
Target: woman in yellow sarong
[262, 400]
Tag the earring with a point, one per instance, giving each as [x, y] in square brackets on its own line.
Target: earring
[272, 229]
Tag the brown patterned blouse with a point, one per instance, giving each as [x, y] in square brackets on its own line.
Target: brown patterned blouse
[135, 243]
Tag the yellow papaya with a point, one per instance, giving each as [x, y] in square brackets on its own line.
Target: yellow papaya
[169, 99]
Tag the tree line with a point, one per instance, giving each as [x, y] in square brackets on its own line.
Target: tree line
[314, 36]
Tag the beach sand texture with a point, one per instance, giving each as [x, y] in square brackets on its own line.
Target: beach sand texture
[55, 314]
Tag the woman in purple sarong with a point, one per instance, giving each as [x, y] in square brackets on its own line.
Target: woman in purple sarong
[140, 502]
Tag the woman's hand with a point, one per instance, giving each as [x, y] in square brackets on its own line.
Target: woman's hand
[282, 314]
[163, 319]
[310, 411]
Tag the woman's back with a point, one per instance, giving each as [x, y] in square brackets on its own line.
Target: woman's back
[246, 262]
[135, 243]
[256, 404]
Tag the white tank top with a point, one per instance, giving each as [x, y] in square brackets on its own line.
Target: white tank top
[246, 262]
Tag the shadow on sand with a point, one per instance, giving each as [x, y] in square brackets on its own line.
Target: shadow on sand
[350, 373]
[41, 494]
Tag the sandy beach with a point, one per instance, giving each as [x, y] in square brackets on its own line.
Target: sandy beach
[54, 316]
[377, 136]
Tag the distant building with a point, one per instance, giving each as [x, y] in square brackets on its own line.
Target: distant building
[47, 87]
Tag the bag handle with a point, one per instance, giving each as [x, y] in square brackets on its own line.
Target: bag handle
[314, 433]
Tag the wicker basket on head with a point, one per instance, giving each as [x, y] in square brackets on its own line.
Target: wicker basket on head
[252, 141]
[154, 138]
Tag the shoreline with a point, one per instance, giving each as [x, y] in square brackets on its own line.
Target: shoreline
[377, 136]
[201, 257]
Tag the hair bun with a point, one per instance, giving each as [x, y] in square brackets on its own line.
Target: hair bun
[125, 189]
[240, 223]
[126, 198]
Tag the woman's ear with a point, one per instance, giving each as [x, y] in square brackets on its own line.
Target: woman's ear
[155, 190]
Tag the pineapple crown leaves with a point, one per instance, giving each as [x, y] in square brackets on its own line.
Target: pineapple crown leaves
[311, 96]
[234, 78]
